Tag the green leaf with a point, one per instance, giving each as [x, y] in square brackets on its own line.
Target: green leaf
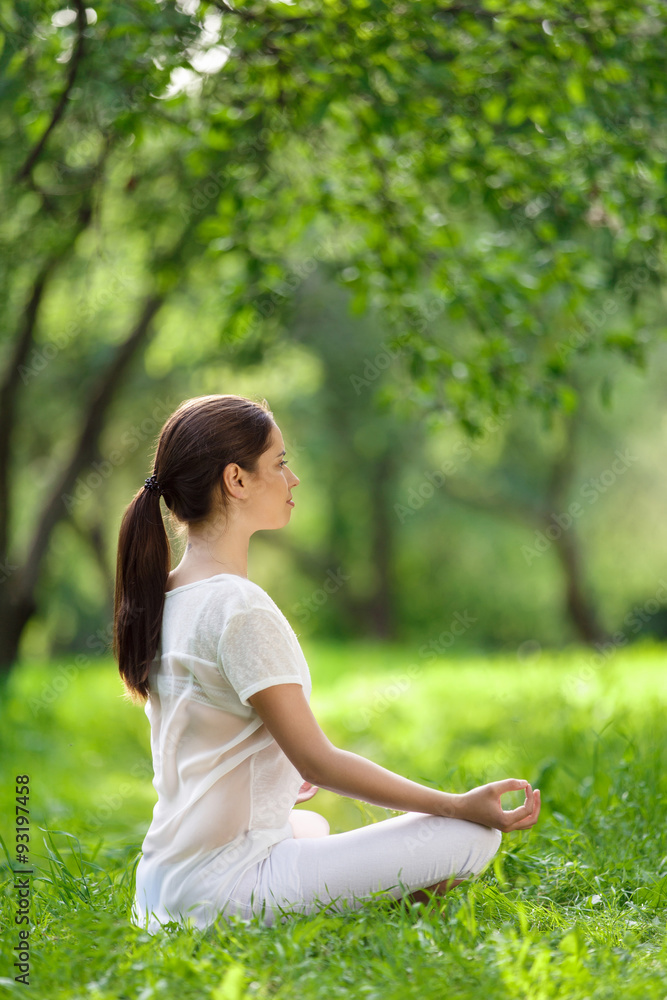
[569, 398]
[575, 89]
[232, 985]
[493, 108]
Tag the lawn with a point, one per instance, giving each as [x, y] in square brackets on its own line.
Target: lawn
[574, 908]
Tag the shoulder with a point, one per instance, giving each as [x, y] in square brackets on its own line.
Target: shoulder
[255, 612]
[228, 597]
[210, 605]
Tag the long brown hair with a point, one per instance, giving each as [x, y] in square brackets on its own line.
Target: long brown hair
[196, 443]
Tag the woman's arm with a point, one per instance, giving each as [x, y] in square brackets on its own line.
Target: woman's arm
[287, 715]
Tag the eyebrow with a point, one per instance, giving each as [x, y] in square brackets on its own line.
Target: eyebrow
[281, 453]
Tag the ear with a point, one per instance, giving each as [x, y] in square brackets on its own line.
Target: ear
[234, 479]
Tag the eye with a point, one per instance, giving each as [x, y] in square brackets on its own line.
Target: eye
[284, 462]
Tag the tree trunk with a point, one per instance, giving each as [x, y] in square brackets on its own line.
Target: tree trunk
[17, 588]
[16, 610]
[577, 605]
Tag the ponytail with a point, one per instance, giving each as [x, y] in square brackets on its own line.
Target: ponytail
[196, 443]
[142, 568]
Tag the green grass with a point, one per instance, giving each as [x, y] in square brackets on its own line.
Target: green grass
[574, 908]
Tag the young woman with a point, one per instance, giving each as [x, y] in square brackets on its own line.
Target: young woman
[226, 690]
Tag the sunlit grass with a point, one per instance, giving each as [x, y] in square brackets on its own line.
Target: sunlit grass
[574, 908]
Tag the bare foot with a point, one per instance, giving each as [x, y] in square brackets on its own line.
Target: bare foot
[440, 888]
[419, 895]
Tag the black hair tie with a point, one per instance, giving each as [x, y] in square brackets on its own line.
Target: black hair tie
[153, 485]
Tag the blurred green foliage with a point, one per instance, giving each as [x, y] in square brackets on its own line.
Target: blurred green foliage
[392, 220]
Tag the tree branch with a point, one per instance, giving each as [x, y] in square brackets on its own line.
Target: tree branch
[226, 9]
[24, 340]
[87, 444]
[59, 109]
[102, 395]
[245, 15]
[8, 393]
[93, 536]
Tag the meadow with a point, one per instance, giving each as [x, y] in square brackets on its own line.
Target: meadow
[574, 908]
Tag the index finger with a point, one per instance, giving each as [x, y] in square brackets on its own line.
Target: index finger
[524, 810]
[511, 785]
[527, 821]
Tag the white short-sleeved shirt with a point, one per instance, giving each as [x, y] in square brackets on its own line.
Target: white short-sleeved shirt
[225, 787]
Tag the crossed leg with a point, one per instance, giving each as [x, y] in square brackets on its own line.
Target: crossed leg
[311, 869]
[307, 823]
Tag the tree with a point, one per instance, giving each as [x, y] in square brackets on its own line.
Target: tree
[499, 167]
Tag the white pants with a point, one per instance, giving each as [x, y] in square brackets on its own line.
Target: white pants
[399, 855]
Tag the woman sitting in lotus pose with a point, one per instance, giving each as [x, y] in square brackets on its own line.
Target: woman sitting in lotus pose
[226, 689]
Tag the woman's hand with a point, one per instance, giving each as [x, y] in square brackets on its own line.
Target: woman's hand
[482, 805]
[306, 792]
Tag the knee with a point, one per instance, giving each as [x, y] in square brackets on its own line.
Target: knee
[496, 838]
[306, 823]
[322, 828]
[478, 844]
[488, 840]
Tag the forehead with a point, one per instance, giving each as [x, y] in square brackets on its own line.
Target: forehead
[277, 443]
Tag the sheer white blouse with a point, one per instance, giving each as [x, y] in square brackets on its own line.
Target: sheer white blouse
[225, 788]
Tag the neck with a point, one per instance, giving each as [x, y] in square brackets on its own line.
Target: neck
[212, 551]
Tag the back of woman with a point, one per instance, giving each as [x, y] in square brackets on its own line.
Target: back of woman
[225, 788]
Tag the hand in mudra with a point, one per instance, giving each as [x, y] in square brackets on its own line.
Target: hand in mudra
[306, 792]
[482, 805]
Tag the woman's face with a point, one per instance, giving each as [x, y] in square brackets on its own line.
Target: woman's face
[272, 485]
